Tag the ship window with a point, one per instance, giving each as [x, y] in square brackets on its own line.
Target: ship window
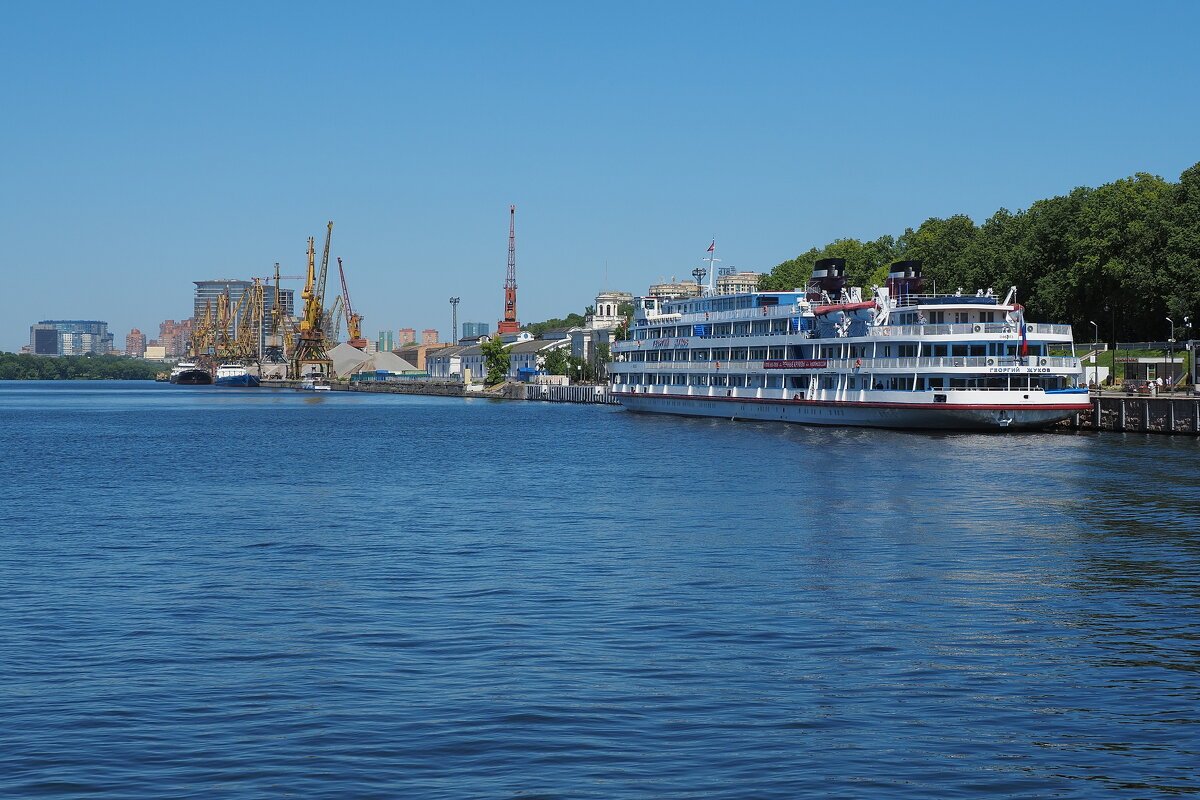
[979, 350]
[961, 317]
[777, 353]
[887, 351]
[937, 317]
[758, 353]
[774, 381]
[761, 326]
[699, 380]
[718, 380]
[958, 350]
[987, 316]
[737, 380]
[699, 355]
[907, 350]
[738, 354]
[797, 382]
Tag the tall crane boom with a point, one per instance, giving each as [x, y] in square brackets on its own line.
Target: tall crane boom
[325, 264]
[353, 321]
[509, 323]
[310, 354]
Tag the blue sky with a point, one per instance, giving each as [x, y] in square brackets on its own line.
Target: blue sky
[147, 145]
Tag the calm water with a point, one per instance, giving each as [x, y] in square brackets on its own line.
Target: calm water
[255, 594]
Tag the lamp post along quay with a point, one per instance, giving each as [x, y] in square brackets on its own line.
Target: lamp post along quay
[1095, 355]
[1170, 353]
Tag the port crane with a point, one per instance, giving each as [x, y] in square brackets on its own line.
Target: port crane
[280, 337]
[310, 355]
[353, 321]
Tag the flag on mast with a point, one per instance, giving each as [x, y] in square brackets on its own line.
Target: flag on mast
[712, 247]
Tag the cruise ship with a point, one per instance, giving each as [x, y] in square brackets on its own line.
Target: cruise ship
[825, 355]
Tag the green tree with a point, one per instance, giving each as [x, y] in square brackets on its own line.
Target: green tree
[555, 362]
[495, 356]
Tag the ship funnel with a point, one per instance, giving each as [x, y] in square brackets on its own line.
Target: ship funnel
[904, 278]
[829, 276]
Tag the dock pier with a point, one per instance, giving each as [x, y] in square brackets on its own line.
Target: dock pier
[1164, 413]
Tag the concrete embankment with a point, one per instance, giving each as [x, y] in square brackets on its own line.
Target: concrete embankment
[505, 391]
[1179, 414]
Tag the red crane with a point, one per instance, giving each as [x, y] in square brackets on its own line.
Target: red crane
[509, 324]
[353, 321]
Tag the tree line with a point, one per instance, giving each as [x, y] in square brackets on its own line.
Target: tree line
[1125, 255]
[27, 367]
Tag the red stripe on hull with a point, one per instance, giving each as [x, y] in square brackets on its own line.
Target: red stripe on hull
[860, 404]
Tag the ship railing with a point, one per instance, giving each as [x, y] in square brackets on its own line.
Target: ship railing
[752, 313]
[968, 328]
[693, 390]
[834, 364]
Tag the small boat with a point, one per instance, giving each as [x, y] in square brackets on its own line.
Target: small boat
[314, 383]
[187, 373]
[235, 375]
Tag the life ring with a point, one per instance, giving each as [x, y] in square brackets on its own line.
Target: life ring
[991, 362]
[1042, 362]
[978, 328]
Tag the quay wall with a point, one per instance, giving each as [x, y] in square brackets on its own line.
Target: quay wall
[1162, 414]
[507, 391]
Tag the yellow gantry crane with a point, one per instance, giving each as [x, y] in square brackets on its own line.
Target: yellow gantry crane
[353, 321]
[310, 354]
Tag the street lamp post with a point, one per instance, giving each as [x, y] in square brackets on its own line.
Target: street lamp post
[1095, 355]
[1170, 350]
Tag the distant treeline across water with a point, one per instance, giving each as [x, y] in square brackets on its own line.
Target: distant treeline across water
[26, 367]
[1125, 255]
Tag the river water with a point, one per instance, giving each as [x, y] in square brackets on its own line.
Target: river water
[258, 594]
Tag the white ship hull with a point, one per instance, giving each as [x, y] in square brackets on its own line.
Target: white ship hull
[940, 416]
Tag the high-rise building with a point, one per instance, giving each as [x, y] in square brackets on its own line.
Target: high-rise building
[209, 293]
[72, 337]
[386, 341]
[429, 336]
[135, 344]
[43, 339]
[173, 336]
[473, 330]
[406, 336]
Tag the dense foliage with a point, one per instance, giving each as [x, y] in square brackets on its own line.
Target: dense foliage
[26, 367]
[495, 358]
[538, 328]
[1126, 255]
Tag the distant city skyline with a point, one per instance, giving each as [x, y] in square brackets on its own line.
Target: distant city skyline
[640, 133]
